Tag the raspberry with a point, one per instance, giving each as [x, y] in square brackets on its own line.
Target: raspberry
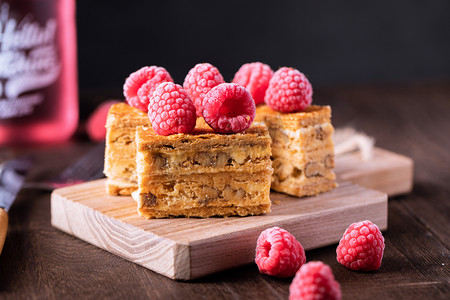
[95, 125]
[255, 78]
[229, 108]
[315, 280]
[171, 110]
[199, 81]
[278, 253]
[139, 86]
[288, 91]
[361, 247]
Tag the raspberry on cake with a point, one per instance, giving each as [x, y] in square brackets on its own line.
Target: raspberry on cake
[302, 149]
[255, 78]
[199, 81]
[139, 86]
[228, 108]
[171, 110]
[289, 91]
[203, 174]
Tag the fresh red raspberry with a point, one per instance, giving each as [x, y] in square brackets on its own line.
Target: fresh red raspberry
[255, 78]
[315, 280]
[171, 110]
[139, 86]
[361, 247]
[199, 81]
[229, 108]
[278, 253]
[288, 91]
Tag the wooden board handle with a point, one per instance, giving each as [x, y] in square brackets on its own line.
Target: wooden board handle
[3, 227]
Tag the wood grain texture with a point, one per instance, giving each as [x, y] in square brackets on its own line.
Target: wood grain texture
[386, 171]
[189, 248]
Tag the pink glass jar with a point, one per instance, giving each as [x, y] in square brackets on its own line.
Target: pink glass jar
[38, 71]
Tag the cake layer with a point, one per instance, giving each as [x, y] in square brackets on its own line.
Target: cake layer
[120, 186]
[206, 212]
[307, 138]
[285, 169]
[226, 189]
[203, 138]
[234, 188]
[212, 156]
[303, 190]
[301, 158]
[121, 167]
[310, 116]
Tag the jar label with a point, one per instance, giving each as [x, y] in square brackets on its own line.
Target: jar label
[29, 62]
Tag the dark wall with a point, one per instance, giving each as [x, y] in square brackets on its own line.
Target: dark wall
[333, 42]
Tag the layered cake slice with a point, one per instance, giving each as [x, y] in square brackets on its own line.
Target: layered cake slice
[203, 173]
[120, 152]
[302, 149]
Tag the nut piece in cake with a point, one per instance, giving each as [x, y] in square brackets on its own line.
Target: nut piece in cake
[302, 149]
[203, 174]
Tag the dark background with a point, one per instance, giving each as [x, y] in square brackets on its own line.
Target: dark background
[332, 42]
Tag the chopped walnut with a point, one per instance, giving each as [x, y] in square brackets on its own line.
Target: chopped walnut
[149, 200]
[203, 158]
[320, 133]
[313, 169]
[209, 192]
[221, 160]
[159, 161]
[329, 161]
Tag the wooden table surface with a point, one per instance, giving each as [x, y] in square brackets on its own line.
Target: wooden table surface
[413, 119]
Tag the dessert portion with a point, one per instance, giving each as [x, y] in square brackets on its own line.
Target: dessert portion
[120, 152]
[193, 151]
[302, 149]
[203, 174]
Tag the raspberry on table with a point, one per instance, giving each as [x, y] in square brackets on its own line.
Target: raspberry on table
[228, 108]
[361, 247]
[139, 86]
[289, 91]
[315, 280]
[199, 81]
[255, 78]
[278, 253]
[95, 125]
[171, 110]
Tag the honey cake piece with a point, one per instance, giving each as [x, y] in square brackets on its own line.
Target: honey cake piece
[203, 174]
[302, 149]
[120, 150]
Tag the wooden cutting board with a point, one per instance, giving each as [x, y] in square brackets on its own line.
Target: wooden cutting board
[386, 171]
[183, 248]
